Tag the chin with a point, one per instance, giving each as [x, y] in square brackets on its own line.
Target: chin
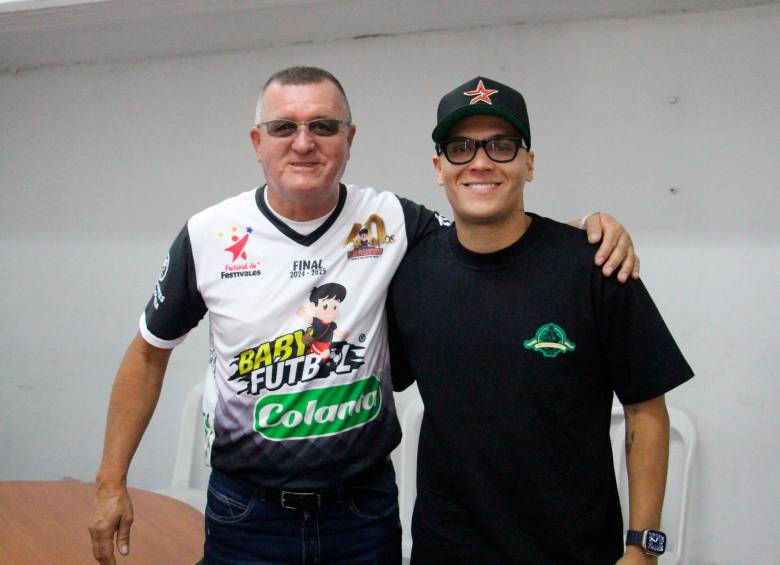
[481, 217]
[478, 215]
[306, 185]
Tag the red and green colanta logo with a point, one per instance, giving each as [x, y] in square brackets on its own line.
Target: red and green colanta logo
[318, 412]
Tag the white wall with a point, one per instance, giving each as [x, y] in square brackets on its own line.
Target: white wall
[100, 166]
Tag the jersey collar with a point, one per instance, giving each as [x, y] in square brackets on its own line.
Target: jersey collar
[305, 240]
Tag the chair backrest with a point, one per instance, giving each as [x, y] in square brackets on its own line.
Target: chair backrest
[404, 458]
[682, 447]
[189, 470]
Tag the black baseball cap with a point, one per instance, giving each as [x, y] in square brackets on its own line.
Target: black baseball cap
[482, 95]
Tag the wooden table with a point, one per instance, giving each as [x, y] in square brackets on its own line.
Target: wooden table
[45, 522]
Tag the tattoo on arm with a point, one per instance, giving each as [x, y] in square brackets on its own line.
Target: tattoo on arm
[630, 433]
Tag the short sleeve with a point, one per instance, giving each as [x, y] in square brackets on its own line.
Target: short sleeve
[400, 368]
[639, 354]
[176, 306]
[420, 222]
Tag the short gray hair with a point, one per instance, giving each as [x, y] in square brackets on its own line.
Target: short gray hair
[300, 76]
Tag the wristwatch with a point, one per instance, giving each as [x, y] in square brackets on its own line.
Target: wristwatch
[653, 542]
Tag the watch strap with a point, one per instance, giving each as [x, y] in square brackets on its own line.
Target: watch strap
[634, 537]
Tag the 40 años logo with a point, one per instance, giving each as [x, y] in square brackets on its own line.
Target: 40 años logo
[367, 239]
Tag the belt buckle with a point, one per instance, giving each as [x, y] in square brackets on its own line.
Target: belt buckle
[304, 500]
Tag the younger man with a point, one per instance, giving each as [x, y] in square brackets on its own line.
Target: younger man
[517, 344]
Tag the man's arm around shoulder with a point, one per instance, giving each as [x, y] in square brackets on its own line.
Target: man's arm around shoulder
[133, 399]
[616, 250]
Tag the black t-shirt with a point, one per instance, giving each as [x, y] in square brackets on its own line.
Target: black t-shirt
[516, 355]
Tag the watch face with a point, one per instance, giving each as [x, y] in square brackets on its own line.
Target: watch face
[655, 541]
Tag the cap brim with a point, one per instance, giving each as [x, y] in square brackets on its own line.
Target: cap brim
[444, 126]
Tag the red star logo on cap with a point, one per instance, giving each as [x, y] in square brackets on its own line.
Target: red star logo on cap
[480, 94]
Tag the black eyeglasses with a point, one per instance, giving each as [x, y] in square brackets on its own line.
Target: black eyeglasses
[461, 150]
[321, 127]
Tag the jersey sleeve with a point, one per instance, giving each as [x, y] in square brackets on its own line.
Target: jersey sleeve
[420, 222]
[400, 368]
[176, 306]
[639, 353]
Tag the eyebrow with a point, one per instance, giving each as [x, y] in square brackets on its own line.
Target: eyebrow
[316, 117]
[493, 136]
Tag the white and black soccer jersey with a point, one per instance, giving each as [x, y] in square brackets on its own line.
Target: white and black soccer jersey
[298, 393]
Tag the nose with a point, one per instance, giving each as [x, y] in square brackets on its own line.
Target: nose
[481, 160]
[303, 141]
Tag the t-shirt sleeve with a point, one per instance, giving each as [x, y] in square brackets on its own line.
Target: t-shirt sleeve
[420, 222]
[176, 306]
[640, 355]
[400, 369]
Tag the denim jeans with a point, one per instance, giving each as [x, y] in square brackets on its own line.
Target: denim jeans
[243, 529]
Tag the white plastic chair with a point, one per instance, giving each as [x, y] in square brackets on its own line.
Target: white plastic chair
[682, 446]
[404, 458]
[190, 474]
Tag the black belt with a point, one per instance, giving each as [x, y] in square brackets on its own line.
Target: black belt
[301, 500]
[312, 500]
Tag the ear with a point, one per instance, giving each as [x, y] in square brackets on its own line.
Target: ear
[350, 137]
[437, 169]
[254, 135]
[530, 165]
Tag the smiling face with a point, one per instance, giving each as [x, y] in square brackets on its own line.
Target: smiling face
[303, 171]
[483, 192]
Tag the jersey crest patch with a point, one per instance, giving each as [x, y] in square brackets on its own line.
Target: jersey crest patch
[237, 263]
[550, 340]
[367, 240]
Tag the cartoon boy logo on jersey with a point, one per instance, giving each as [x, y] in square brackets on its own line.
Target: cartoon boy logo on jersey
[321, 314]
[297, 357]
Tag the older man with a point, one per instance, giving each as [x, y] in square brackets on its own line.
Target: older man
[517, 343]
[300, 415]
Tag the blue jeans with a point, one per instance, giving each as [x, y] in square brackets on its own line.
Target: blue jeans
[363, 529]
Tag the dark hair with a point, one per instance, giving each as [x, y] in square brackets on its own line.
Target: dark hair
[328, 290]
[363, 231]
[305, 75]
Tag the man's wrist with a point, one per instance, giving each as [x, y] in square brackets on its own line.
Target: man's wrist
[108, 479]
[636, 552]
[648, 543]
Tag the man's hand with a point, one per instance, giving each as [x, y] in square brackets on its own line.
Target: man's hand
[133, 398]
[616, 250]
[113, 516]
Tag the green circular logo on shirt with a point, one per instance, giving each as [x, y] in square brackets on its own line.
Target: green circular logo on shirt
[550, 340]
